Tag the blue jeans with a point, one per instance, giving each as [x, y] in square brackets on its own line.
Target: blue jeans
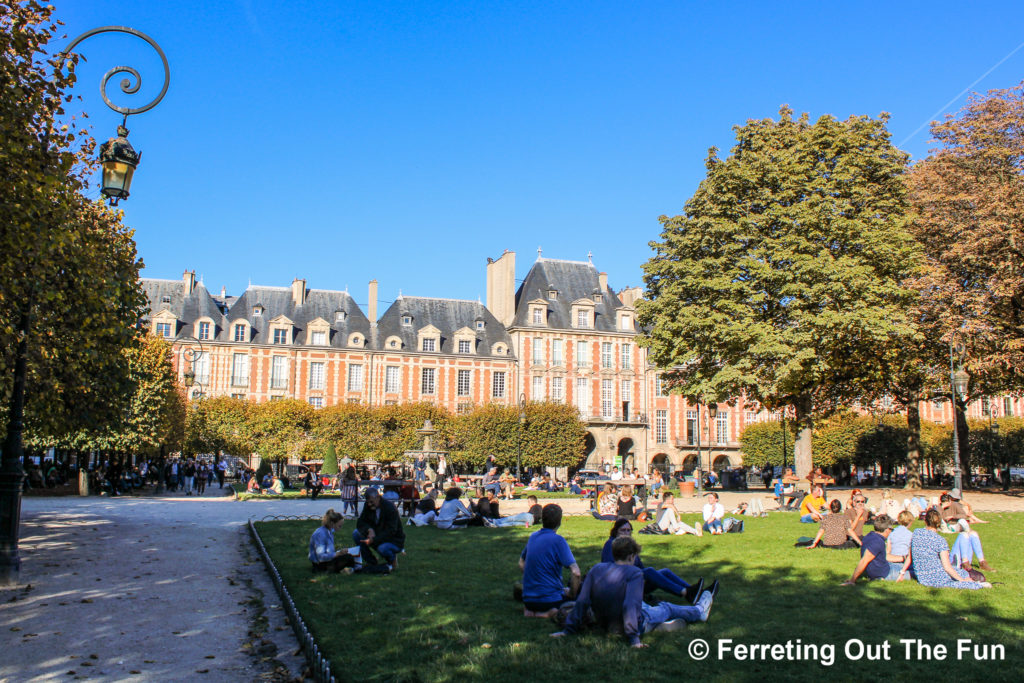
[716, 525]
[651, 617]
[575, 490]
[665, 579]
[966, 547]
[386, 550]
[808, 519]
[495, 486]
[514, 520]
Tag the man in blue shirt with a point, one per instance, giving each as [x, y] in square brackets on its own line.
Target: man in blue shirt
[613, 593]
[542, 560]
[873, 559]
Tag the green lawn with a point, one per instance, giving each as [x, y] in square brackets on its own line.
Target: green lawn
[448, 613]
[240, 494]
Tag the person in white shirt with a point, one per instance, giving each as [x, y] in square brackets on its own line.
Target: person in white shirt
[616, 474]
[713, 514]
[454, 514]
[667, 518]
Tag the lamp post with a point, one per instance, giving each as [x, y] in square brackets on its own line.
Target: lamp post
[519, 440]
[958, 379]
[119, 161]
[712, 414]
[700, 458]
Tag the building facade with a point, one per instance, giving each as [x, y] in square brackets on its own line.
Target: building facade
[563, 335]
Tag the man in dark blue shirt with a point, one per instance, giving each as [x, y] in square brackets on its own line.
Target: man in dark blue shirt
[542, 560]
[873, 560]
[613, 592]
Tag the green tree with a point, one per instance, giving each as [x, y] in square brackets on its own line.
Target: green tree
[281, 429]
[785, 269]
[762, 444]
[352, 429]
[399, 424]
[554, 435]
[330, 461]
[485, 430]
[218, 425]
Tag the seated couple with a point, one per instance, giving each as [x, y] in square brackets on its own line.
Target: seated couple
[612, 599]
[378, 528]
[610, 506]
[926, 555]
[668, 520]
[839, 530]
[715, 521]
[664, 579]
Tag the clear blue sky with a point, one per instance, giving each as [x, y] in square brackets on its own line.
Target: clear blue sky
[407, 141]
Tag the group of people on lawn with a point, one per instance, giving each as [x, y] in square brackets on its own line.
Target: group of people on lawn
[892, 552]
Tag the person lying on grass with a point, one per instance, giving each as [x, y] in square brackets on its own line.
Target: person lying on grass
[874, 561]
[491, 517]
[664, 579]
[426, 508]
[953, 509]
[834, 530]
[667, 517]
[613, 593]
[542, 560]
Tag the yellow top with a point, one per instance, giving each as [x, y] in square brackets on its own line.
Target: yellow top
[811, 504]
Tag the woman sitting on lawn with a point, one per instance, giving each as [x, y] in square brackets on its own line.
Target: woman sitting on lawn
[454, 514]
[253, 486]
[625, 504]
[322, 554]
[834, 530]
[665, 579]
[607, 505]
[667, 517]
[929, 554]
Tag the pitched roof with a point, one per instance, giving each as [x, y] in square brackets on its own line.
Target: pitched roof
[448, 316]
[320, 303]
[573, 280]
[170, 294]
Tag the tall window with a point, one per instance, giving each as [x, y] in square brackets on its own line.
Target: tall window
[691, 427]
[749, 417]
[722, 428]
[316, 375]
[319, 339]
[240, 370]
[626, 356]
[462, 388]
[538, 388]
[557, 354]
[465, 346]
[606, 399]
[355, 377]
[1008, 407]
[163, 330]
[538, 316]
[625, 390]
[316, 401]
[278, 372]
[660, 387]
[280, 336]
[581, 354]
[429, 344]
[204, 331]
[498, 385]
[202, 368]
[239, 333]
[392, 379]
[606, 354]
[538, 351]
[428, 377]
[582, 396]
[557, 389]
[661, 426]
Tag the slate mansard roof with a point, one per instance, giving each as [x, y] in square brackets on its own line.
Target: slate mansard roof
[448, 316]
[572, 280]
[170, 295]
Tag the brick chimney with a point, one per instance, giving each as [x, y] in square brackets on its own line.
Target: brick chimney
[371, 305]
[501, 287]
[298, 291]
[602, 279]
[189, 280]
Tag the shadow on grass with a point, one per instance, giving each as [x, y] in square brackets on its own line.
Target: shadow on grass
[448, 613]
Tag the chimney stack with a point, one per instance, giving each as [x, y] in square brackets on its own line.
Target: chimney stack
[501, 287]
[371, 305]
[223, 292]
[602, 278]
[189, 280]
[298, 291]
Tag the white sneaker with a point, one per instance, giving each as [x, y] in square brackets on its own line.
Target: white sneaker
[704, 605]
[488, 522]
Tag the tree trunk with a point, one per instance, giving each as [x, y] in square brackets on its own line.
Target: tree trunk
[913, 446]
[963, 434]
[802, 462]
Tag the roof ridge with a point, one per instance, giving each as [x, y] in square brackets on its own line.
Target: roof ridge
[565, 260]
[442, 298]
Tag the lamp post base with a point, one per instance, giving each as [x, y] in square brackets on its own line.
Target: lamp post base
[10, 519]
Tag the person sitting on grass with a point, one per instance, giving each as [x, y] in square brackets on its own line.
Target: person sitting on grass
[713, 514]
[664, 579]
[606, 506]
[966, 547]
[379, 527]
[874, 561]
[276, 487]
[834, 530]
[613, 594]
[897, 545]
[535, 508]
[426, 508]
[626, 503]
[667, 517]
[252, 486]
[508, 485]
[542, 560]
[812, 507]
[856, 515]
[953, 509]
[454, 514]
[322, 554]
[929, 554]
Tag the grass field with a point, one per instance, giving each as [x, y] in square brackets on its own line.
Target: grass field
[448, 613]
[297, 493]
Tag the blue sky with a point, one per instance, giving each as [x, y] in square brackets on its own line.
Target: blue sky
[408, 141]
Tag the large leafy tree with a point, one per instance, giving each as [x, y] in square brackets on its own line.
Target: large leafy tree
[552, 436]
[785, 269]
[968, 197]
[352, 429]
[281, 429]
[218, 425]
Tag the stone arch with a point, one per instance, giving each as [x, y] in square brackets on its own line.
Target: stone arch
[663, 464]
[625, 452]
[721, 462]
[690, 463]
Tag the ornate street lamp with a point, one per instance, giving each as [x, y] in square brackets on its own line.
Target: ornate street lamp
[119, 161]
[519, 445]
[959, 380]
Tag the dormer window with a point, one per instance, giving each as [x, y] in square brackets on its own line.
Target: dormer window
[239, 333]
[429, 344]
[597, 297]
[537, 316]
[582, 318]
[204, 331]
[553, 294]
[257, 311]
[407, 320]
[280, 335]
[479, 324]
[165, 299]
[625, 322]
[318, 338]
[355, 340]
[393, 342]
[465, 346]
[339, 316]
[163, 330]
